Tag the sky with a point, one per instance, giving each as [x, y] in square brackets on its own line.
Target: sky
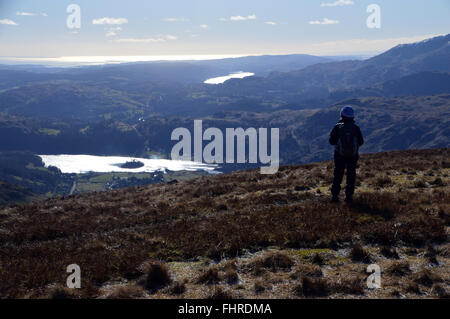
[39, 29]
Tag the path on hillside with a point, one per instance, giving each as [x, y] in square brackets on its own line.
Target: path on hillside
[74, 186]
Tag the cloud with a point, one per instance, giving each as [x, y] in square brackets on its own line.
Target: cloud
[7, 22]
[107, 20]
[148, 40]
[112, 31]
[204, 26]
[30, 14]
[337, 3]
[141, 40]
[324, 21]
[270, 23]
[241, 18]
[26, 14]
[176, 19]
[171, 37]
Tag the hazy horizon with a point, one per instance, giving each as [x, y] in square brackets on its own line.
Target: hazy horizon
[86, 60]
[101, 60]
[209, 28]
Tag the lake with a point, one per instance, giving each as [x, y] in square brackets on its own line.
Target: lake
[105, 164]
[222, 79]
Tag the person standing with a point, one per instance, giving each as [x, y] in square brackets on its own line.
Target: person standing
[347, 138]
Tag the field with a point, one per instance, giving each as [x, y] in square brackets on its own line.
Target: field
[241, 235]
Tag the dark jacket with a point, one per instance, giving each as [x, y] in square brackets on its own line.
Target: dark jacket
[334, 135]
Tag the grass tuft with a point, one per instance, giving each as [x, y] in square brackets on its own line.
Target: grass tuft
[400, 268]
[358, 254]
[210, 276]
[312, 287]
[126, 292]
[157, 276]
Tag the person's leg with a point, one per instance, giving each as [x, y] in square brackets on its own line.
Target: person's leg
[351, 177]
[339, 167]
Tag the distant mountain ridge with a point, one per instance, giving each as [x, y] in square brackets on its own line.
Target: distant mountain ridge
[187, 71]
[130, 91]
[402, 60]
[422, 83]
[263, 65]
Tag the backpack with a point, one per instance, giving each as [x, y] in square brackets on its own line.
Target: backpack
[348, 140]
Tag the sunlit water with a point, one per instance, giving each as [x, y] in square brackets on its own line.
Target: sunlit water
[222, 79]
[99, 60]
[104, 164]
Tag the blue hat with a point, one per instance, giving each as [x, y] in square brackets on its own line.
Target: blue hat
[347, 111]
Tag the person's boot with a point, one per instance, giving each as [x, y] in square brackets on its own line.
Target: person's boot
[335, 199]
[349, 199]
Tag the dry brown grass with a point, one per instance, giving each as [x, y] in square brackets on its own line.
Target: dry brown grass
[61, 292]
[177, 288]
[389, 252]
[306, 270]
[231, 276]
[260, 286]
[317, 259]
[209, 277]
[426, 278]
[274, 261]
[109, 234]
[359, 254]
[157, 276]
[221, 293]
[350, 286]
[399, 268]
[312, 287]
[440, 291]
[127, 292]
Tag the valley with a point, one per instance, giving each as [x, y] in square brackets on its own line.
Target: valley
[131, 109]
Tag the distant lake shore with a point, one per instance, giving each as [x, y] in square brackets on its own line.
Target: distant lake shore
[222, 79]
[79, 164]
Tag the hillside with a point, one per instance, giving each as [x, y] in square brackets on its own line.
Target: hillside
[417, 84]
[23, 178]
[402, 60]
[387, 123]
[265, 64]
[241, 235]
[130, 91]
[13, 193]
[316, 84]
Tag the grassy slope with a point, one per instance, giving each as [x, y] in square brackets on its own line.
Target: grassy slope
[273, 236]
[15, 193]
[101, 181]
